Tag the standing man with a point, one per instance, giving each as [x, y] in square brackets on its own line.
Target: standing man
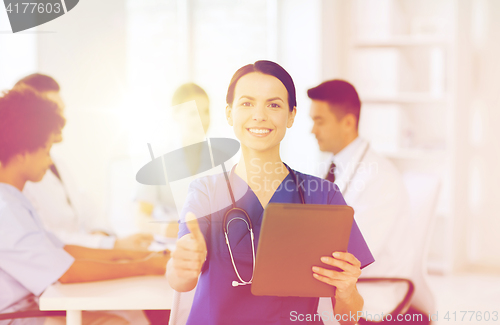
[369, 183]
[56, 200]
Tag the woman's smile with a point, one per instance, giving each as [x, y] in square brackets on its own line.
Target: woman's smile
[259, 132]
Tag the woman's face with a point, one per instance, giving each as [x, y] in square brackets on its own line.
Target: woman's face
[260, 113]
[36, 163]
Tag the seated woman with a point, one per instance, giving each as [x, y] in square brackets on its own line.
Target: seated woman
[261, 105]
[158, 201]
[32, 258]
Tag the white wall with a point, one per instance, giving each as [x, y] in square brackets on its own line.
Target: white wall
[477, 117]
[299, 52]
[86, 54]
[18, 53]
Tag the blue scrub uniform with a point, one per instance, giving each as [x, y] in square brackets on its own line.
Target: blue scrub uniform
[216, 301]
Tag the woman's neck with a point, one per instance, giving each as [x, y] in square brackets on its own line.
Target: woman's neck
[262, 171]
[257, 167]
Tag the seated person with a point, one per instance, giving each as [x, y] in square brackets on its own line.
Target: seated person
[32, 258]
[158, 201]
[56, 200]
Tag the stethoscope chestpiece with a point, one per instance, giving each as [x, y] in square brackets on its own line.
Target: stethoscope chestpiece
[236, 283]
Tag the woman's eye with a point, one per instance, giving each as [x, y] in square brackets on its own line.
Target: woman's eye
[274, 105]
[245, 104]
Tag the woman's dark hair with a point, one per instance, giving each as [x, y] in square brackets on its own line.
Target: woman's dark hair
[27, 119]
[265, 67]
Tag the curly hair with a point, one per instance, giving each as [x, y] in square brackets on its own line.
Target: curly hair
[40, 82]
[27, 120]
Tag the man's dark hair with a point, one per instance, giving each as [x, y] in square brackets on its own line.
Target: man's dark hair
[341, 96]
[27, 120]
[39, 82]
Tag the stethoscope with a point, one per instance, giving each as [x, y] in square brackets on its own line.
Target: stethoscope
[362, 156]
[248, 222]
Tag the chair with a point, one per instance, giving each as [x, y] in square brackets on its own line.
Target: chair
[423, 192]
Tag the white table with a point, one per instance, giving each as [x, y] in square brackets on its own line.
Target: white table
[136, 293]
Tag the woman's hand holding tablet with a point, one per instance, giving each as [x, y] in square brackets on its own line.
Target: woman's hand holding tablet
[345, 281]
[346, 293]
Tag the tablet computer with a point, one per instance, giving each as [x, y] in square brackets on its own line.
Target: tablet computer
[293, 238]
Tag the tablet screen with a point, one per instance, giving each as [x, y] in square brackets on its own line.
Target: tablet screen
[292, 240]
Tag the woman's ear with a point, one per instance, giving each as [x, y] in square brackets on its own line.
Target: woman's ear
[291, 117]
[17, 159]
[229, 118]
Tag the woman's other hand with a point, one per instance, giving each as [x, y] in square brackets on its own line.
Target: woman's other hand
[345, 280]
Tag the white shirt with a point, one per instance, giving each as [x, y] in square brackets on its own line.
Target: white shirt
[373, 186]
[56, 203]
[31, 258]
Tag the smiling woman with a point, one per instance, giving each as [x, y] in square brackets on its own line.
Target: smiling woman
[261, 105]
[259, 115]
[216, 247]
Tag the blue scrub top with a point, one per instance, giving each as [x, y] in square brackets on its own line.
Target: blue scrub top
[216, 301]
